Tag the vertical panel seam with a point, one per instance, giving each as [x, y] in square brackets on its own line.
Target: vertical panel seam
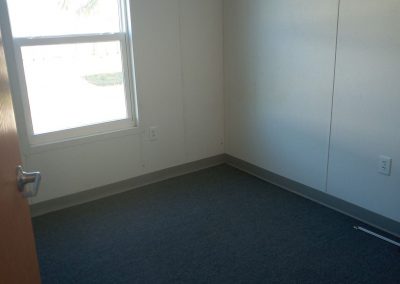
[224, 94]
[181, 58]
[332, 99]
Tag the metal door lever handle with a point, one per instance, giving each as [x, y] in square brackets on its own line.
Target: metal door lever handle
[24, 178]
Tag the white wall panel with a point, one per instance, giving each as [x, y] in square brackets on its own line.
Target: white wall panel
[279, 66]
[366, 117]
[73, 169]
[158, 71]
[202, 77]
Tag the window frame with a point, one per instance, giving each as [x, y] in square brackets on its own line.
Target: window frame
[125, 39]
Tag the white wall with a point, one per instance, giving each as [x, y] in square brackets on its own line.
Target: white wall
[178, 53]
[366, 117]
[279, 73]
[279, 66]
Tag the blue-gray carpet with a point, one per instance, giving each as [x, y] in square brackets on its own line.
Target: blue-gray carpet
[218, 225]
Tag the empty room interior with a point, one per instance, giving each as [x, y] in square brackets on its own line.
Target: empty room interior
[200, 141]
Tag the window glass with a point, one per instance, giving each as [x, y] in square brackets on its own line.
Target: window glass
[30, 18]
[74, 85]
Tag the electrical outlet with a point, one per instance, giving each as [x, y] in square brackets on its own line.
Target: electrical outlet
[385, 165]
[153, 133]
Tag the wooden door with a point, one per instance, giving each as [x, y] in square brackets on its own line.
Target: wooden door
[18, 260]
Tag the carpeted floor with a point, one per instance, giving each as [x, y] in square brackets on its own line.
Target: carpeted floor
[218, 225]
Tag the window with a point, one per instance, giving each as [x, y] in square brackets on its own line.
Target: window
[75, 65]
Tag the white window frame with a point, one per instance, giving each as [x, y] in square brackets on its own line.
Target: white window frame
[125, 38]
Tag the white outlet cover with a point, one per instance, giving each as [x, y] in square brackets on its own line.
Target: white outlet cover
[153, 133]
[385, 165]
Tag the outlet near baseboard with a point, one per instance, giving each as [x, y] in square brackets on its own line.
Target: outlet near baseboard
[385, 165]
[153, 133]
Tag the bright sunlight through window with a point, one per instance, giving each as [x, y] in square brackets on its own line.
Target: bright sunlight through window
[76, 66]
